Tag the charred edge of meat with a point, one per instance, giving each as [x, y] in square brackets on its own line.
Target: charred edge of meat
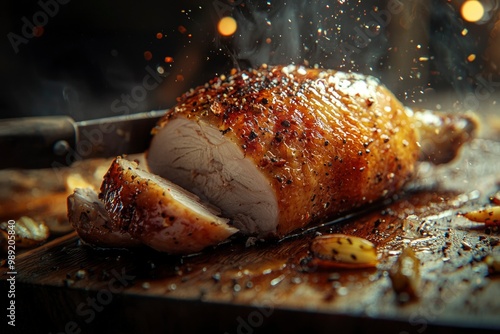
[87, 214]
[158, 212]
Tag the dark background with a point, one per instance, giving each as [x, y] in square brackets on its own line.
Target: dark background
[92, 52]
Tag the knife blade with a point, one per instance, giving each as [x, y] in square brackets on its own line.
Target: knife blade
[57, 141]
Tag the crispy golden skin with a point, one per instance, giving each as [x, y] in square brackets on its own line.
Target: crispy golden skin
[326, 141]
[158, 213]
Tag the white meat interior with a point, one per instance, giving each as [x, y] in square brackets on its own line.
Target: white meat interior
[199, 158]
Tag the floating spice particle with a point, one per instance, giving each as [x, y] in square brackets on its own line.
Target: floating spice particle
[225, 131]
[227, 26]
[159, 35]
[38, 31]
[179, 77]
[277, 280]
[182, 29]
[80, 274]
[169, 60]
[342, 291]
[216, 277]
[267, 271]
[334, 277]
[495, 199]
[465, 245]
[148, 55]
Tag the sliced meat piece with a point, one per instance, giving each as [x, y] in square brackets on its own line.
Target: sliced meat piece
[202, 160]
[89, 217]
[281, 147]
[159, 213]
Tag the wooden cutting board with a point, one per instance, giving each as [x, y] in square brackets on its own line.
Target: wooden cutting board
[250, 286]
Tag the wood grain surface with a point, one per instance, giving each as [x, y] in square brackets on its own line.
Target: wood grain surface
[252, 286]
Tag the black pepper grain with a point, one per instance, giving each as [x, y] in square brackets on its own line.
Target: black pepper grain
[286, 123]
[252, 135]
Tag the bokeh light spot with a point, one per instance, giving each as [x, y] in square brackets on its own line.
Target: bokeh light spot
[148, 55]
[472, 10]
[227, 26]
[38, 31]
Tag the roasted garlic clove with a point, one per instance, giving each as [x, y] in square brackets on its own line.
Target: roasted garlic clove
[488, 216]
[28, 232]
[344, 251]
[405, 275]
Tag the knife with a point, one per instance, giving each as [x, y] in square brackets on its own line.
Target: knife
[57, 141]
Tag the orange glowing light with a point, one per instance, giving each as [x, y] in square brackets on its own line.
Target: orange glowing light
[159, 35]
[471, 57]
[472, 10]
[148, 55]
[169, 60]
[38, 31]
[227, 26]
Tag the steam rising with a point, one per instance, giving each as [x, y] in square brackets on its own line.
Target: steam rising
[319, 32]
[409, 45]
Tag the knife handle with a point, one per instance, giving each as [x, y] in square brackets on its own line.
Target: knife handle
[37, 142]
